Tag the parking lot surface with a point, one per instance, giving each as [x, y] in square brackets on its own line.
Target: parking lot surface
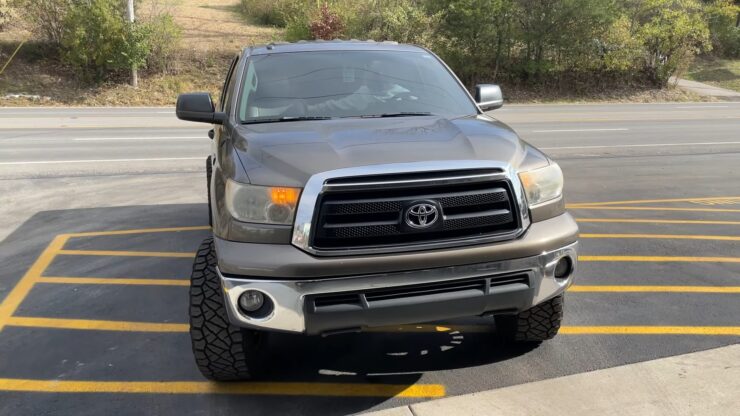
[95, 268]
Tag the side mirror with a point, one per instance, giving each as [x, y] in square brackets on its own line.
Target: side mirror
[198, 106]
[489, 96]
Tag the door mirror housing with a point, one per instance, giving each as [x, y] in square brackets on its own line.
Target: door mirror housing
[489, 96]
[198, 106]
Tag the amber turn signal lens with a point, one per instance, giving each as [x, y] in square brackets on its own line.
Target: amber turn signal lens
[284, 196]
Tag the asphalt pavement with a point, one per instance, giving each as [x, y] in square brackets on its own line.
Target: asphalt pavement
[101, 209]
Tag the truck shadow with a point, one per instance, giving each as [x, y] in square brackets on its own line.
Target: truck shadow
[396, 357]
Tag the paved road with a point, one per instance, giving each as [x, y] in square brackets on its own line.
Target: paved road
[660, 276]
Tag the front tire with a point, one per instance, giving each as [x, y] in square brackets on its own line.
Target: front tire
[537, 324]
[223, 352]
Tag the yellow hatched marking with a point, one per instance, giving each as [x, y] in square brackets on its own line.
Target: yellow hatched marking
[652, 201]
[126, 253]
[88, 324]
[662, 259]
[717, 202]
[665, 236]
[203, 387]
[139, 231]
[114, 281]
[667, 289]
[651, 330]
[655, 221]
[24, 286]
[651, 208]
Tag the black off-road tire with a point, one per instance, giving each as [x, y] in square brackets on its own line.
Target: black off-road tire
[537, 324]
[223, 352]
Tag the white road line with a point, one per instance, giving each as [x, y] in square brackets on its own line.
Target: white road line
[702, 106]
[576, 130]
[639, 145]
[50, 162]
[102, 139]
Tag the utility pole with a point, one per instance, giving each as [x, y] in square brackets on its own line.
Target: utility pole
[134, 73]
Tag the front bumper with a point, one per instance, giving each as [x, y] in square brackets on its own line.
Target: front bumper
[508, 285]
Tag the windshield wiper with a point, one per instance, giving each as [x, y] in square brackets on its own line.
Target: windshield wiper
[283, 119]
[401, 114]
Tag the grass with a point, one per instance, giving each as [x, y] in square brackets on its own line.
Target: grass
[724, 73]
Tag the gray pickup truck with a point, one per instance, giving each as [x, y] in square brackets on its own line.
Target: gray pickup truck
[359, 184]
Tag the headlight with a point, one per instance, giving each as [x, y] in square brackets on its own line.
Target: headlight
[262, 204]
[542, 185]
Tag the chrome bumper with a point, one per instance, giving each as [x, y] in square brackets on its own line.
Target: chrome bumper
[289, 296]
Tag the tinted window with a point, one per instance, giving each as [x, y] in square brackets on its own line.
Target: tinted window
[226, 90]
[349, 84]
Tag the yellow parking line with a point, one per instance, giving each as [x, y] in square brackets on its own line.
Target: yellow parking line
[204, 387]
[126, 253]
[88, 324]
[655, 221]
[620, 208]
[139, 231]
[651, 330]
[24, 286]
[84, 324]
[664, 236]
[662, 258]
[669, 289]
[114, 281]
[650, 201]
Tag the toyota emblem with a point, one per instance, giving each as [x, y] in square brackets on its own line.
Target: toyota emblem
[421, 215]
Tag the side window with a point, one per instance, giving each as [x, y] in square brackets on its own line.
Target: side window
[250, 86]
[226, 90]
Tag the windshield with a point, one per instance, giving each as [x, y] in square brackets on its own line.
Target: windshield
[318, 85]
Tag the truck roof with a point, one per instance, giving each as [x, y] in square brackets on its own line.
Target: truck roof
[329, 45]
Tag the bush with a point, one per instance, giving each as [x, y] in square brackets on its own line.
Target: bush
[405, 21]
[297, 29]
[164, 35]
[327, 24]
[44, 17]
[724, 26]
[275, 12]
[671, 32]
[98, 40]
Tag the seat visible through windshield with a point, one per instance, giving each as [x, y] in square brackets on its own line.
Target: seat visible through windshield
[349, 84]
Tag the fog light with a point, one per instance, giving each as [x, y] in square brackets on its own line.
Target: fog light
[251, 300]
[563, 268]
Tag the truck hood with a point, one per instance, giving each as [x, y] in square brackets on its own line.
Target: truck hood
[288, 154]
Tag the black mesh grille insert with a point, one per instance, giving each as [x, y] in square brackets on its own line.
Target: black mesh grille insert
[480, 285]
[369, 218]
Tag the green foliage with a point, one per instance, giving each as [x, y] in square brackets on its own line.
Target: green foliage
[671, 32]
[405, 21]
[278, 13]
[164, 35]
[97, 39]
[478, 36]
[724, 26]
[297, 29]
